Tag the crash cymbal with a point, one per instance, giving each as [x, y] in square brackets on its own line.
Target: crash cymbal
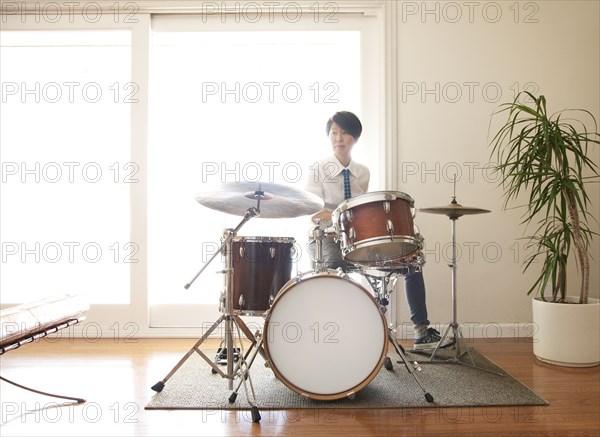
[454, 210]
[273, 200]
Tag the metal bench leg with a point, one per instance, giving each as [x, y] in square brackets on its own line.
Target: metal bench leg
[78, 400]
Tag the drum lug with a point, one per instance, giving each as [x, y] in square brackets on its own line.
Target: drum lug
[349, 215]
[390, 227]
[386, 207]
[222, 300]
[272, 252]
[420, 260]
[343, 237]
[266, 314]
[241, 301]
[242, 251]
[418, 235]
[351, 395]
[351, 235]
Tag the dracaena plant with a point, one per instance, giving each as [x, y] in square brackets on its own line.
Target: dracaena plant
[545, 157]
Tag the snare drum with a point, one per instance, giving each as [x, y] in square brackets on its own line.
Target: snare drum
[325, 336]
[261, 266]
[375, 228]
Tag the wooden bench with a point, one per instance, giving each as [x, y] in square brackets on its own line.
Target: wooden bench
[23, 324]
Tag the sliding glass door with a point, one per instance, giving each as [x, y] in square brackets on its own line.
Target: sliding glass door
[231, 104]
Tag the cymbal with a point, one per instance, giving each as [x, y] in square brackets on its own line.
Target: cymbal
[273, 200]
[454, 210]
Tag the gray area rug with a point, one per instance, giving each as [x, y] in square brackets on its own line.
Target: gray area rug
[194, 386]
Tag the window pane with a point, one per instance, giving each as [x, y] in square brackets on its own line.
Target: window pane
[235, 106]
[66, 170]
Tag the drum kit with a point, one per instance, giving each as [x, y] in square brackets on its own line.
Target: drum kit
[314, 322]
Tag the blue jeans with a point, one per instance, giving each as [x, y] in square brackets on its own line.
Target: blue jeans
[414, 289]
[414, 285]
[331, 254]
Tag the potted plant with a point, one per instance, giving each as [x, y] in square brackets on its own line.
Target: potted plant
[544, 157]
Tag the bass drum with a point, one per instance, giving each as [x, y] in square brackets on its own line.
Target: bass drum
[325, 336]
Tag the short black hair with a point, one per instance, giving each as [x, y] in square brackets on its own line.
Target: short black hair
[347, 121]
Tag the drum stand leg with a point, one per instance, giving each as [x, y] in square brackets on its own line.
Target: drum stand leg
[233, 325]
[244, 375]
[411, 367]
[230, 320]
[380, 286]
[196, 348]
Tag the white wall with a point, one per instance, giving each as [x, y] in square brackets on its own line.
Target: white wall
[471, 54]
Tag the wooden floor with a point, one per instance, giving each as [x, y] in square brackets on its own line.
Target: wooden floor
[115, 377]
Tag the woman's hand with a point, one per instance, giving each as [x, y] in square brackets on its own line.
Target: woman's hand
[321, 216]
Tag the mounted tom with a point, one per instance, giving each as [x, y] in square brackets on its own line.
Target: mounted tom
[377, 230]
[262, 265]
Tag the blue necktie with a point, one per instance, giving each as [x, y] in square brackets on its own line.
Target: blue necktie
[346, 173]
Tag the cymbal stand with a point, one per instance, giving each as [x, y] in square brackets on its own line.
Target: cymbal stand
[453, 325]
[230, 320]
[383, 286]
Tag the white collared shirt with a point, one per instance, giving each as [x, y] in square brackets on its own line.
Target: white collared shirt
[326, 181]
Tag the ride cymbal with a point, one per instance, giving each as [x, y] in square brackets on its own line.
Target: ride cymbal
[271, 199]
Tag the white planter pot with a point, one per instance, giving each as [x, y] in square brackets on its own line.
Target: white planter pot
[567, 334]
